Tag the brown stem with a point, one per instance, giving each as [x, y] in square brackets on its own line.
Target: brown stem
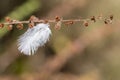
[41, 21]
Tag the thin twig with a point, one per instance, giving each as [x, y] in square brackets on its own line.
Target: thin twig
[57, 20]
[42, 21]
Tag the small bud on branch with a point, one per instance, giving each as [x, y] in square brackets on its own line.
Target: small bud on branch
[93, 19]
[10, 27]
[20, 26]
[111, 17]
[1, 25]
[86, 24]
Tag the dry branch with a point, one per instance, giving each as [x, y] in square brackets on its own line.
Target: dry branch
[58, 20]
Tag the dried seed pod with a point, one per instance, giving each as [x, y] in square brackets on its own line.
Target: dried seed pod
[57, 18]
[10, 27]
[58, 25]
[86, 24]
[7, 19]
[111, 17]
[1, 25]
[45, 21]
[31, 24]
[93, 18]
[106, 22]
[31, 21]
[20, 26]
[33, 18]
[58, 22]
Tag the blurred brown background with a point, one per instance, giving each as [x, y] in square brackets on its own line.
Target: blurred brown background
[73, 53]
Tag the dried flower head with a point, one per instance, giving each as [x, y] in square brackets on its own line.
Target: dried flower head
[105, 22]
[93, 19]
[111, 17]
[33, 18]
[31, 24]
[57, 18]
[58, 25]
[7, 19]
[1, 25]
[58, 22]
[20, 26]
[10, 27]
[85, 23]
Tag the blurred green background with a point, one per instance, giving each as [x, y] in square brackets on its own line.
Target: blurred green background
[98, 61]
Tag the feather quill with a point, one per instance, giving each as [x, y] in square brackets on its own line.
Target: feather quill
[33, 38]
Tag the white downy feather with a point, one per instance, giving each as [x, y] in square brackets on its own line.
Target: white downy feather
[33, 38]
